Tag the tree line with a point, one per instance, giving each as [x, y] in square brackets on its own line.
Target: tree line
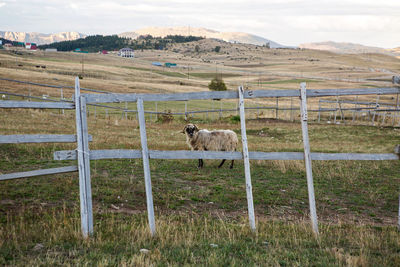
[97, 43]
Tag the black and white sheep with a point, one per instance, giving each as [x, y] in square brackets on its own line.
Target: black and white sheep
[205, 140]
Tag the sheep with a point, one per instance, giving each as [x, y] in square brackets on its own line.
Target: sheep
[204, 140]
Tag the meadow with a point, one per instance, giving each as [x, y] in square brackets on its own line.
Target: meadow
[201, 215]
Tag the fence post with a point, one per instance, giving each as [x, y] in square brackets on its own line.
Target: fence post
[146, 166]
[277, 108]
[337, 106]
[319, 111]
[62, 98]
[156, 112]
[307, 157]
[85, 191]
[126, 108]
[186, 111]
[376, 106]
[220, 108]
[249, 192]
[291, 109]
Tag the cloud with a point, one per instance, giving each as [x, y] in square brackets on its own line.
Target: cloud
[287, 21]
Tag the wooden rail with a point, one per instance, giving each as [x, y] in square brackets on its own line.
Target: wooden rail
[84, 155]
[31, 104]
[109, 98]
[253, 155]
[17, 175]
[39, 138]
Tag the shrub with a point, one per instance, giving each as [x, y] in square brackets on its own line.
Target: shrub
[217, 84]
[165, 117]
[235, 119]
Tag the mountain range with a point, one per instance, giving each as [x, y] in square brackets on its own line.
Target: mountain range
[232, 37]
[40, 38]
[349, 48]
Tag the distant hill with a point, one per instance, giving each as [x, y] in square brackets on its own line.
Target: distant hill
[349, 48]
[97, 43]
[232, 37]
[40, 38]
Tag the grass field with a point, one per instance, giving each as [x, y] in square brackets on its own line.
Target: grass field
[201, 215]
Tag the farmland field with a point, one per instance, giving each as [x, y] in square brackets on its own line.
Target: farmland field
[201, 215]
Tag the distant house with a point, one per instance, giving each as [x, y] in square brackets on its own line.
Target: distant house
[8, 45]
[158, 64]
[51, 50]
[104, 52]
[126, 52]
[31, 46]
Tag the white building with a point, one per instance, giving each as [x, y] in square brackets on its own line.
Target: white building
[126, 52]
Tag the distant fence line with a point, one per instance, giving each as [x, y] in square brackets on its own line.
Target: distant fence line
[124, 111]
[54, 86]
[84, 155]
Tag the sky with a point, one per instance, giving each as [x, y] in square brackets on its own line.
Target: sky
[288, 22]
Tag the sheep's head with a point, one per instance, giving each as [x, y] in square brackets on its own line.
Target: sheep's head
[190, 130]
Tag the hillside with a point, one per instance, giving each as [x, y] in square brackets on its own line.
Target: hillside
[97, 43]
[348, 48]
[232, 37]
[40, 38]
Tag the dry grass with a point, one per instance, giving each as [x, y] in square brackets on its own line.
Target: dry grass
[356, 201]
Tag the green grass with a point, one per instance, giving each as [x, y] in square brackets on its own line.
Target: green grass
[357, 201]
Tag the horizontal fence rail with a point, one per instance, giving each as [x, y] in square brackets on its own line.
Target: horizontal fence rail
[110, 98]
[30, 104]
[39, 138]
[17, 175]
[185, 154]
[54, 86]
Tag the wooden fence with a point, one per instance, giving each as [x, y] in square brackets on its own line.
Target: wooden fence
[371, 109]
[83, 154]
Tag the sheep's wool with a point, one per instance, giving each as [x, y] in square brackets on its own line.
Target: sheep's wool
[217, 140]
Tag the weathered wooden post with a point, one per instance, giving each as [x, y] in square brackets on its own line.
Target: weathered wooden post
[337, 107]
[307, 157]
[397, 151]
[291, 109]
[396, 81]
[146, 166]
[376, 107]
[62, 98]
[186, 111]
[249, 191]
[220, 109]
[85, 191]
[126, 108]
[156, 112]
[277, 108]
[319, 111]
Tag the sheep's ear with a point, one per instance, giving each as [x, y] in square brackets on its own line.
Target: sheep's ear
[184, 129]
[195, 127]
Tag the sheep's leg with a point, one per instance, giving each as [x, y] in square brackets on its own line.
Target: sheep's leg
[231, 167]
[201, 163]
[222, 163]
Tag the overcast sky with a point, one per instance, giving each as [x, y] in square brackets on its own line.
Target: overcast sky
[289, 22]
